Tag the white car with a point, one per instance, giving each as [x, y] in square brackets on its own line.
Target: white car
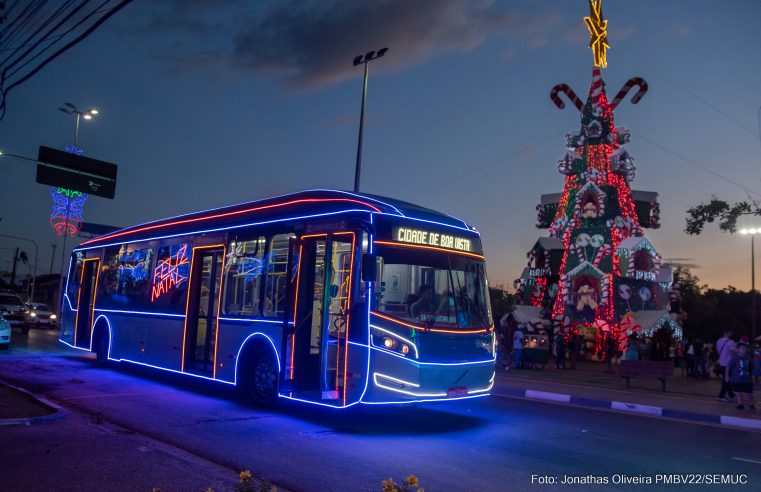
[5, 333]
[41, 316]
[16, 312]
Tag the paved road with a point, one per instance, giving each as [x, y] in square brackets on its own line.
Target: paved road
[494, 443]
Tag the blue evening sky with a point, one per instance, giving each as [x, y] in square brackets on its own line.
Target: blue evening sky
[205, 104]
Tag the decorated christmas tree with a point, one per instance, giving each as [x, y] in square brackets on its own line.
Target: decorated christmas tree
[597, 273]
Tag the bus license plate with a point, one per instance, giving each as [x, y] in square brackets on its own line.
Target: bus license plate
[457, 392]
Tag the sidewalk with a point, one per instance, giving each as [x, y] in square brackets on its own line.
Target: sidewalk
[19, 407]
[589, 385]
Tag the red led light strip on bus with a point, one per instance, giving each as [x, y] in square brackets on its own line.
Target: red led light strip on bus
[229, 214]
[433, 248]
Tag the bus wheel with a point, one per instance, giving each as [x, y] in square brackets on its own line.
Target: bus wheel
[101, 348]
[263, 381]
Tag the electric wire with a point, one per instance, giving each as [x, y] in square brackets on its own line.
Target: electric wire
[43, 34]
[492, 163]
[694, 95]
[699, 166]
[44, 37]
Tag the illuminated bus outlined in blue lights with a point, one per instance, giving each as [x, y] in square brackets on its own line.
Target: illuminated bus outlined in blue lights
[325, 297]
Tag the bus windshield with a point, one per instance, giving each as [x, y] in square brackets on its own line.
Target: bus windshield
[433, 289]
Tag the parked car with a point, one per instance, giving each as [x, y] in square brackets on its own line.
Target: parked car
[5, 333]
[41, 316]
[17, 313]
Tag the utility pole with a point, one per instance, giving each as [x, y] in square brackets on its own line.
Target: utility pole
[13, 273]
[52, 255]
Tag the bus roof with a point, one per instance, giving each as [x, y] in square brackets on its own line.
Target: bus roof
[297, 205]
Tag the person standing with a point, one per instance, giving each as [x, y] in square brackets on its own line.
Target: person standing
[699, 365]
[756, 362]
[518, 346]
[632, 348]
[690, 359]
[611, 349]
[559, 351]
[573, 348]
[738, 372]
[725, 348]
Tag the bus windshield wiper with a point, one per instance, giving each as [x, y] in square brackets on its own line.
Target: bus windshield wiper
[439, 308]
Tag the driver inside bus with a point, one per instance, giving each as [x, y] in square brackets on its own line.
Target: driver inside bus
[424, 303]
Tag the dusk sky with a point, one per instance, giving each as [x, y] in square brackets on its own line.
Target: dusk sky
[205, 104]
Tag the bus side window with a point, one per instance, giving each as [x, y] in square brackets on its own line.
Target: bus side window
[276, 283]
[243, 275]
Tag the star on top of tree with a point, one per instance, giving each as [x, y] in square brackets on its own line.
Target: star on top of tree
[598, 33]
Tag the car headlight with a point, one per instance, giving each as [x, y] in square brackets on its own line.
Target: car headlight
[32, 315]
[52, 316]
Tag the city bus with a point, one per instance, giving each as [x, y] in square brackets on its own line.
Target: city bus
[322, 296]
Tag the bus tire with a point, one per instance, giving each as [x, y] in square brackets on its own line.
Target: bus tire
[100, 346]
[258, 382]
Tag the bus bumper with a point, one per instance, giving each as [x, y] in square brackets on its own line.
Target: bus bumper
[396, 380]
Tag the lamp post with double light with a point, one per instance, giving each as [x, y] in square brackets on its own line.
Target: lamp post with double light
[363, 60]
[752, 232]
[69, 108]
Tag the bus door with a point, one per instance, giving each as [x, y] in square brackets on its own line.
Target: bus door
[323, 296]
[203, 309]
[86, 302]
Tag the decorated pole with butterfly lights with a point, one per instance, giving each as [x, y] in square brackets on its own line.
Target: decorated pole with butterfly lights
[598, 272]
[68, 205]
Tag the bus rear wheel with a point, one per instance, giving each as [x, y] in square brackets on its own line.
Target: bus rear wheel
[262, 383]
[101, 348]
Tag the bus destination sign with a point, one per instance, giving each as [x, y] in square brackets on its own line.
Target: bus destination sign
[430, 238]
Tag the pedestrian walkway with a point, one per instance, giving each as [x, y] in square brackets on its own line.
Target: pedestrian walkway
[590, 385]
[21, 407]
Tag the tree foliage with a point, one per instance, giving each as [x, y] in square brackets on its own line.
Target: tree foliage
[707, 312]
[727, 215]
[502, 302]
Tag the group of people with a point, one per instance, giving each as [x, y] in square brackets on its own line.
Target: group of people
[738, 367]
[697, 359]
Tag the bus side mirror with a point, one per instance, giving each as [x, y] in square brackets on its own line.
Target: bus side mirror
[369, 267]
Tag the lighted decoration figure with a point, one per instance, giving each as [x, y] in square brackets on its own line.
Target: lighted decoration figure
[68, 205]
[596, 272]
[66, 217]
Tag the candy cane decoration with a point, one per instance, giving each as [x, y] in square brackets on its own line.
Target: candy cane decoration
[657, 263]
[602, 253]
[639, 82]
[568, 92]
[604, 290]
[580, 252]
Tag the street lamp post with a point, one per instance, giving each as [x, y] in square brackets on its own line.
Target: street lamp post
[752, 232]
[363, 60]
[69, 108]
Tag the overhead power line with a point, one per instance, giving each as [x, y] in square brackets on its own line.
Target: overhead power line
[699, 166]
[37, 32]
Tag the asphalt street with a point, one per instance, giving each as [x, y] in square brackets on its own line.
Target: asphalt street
[494, 443]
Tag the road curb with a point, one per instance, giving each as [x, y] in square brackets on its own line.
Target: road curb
[646, 410]
[58, 414]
